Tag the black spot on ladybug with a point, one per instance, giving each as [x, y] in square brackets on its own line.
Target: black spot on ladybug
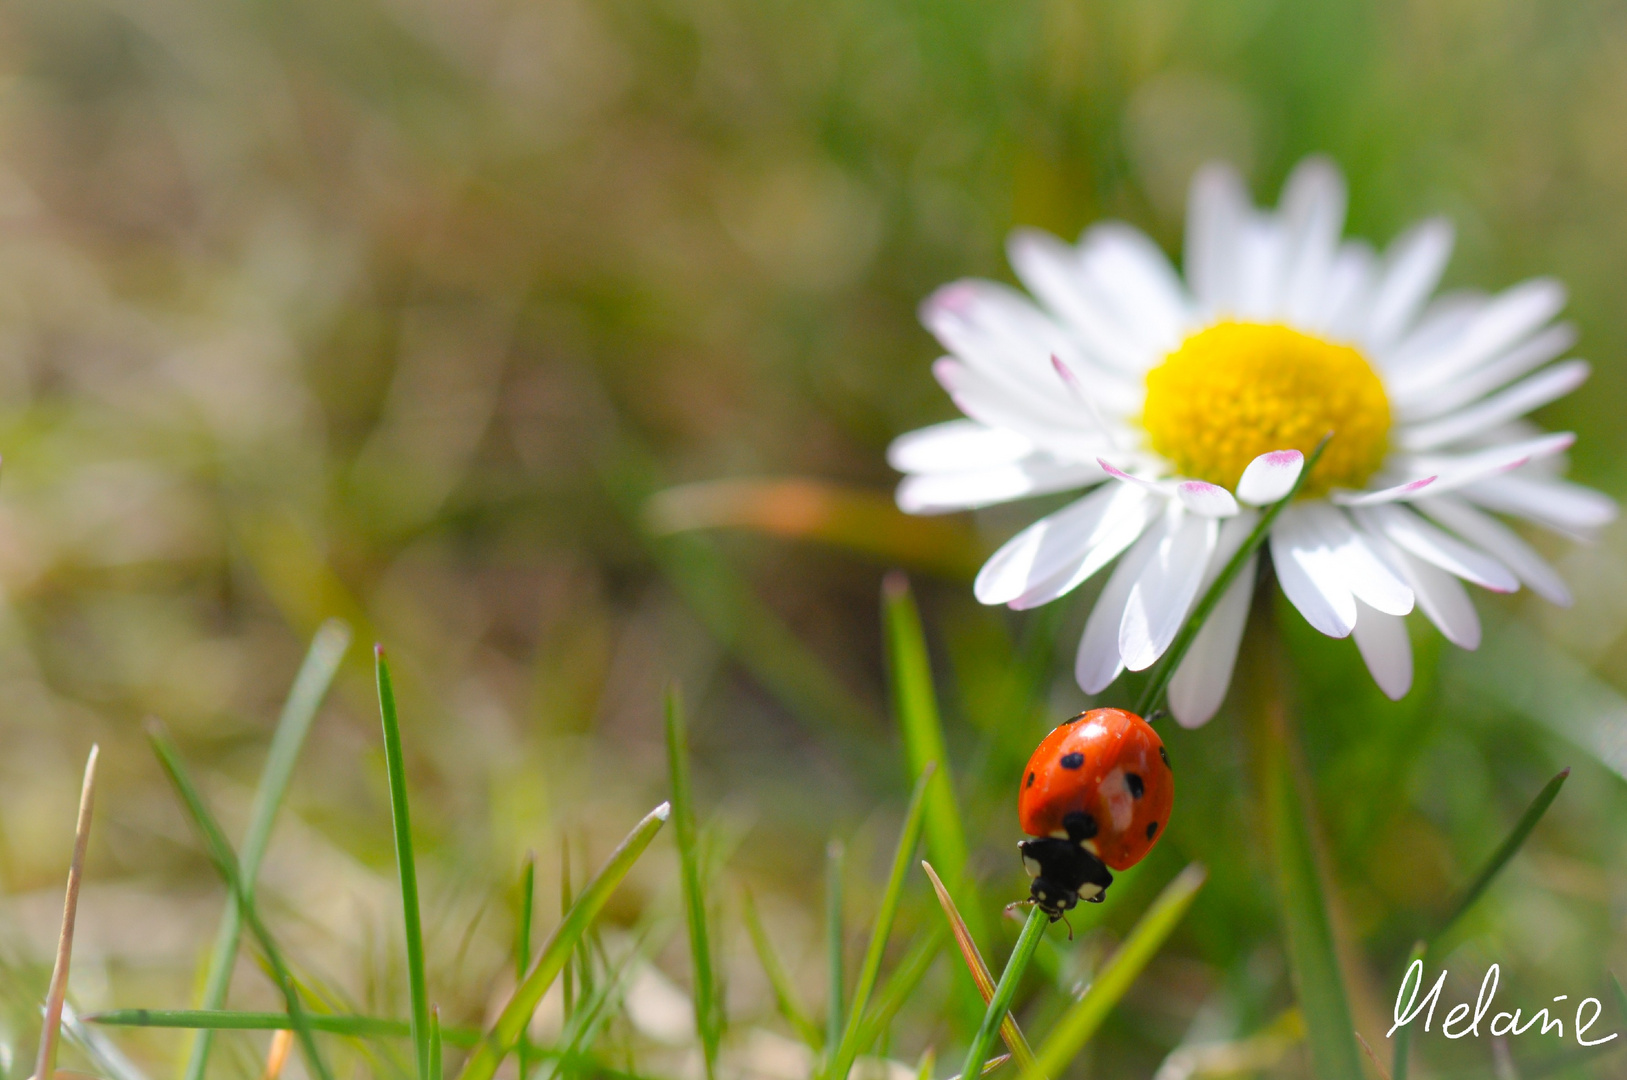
[1080, 826]
[1165, 756]
[1152, 829]
[1030, 782]
[1072, 761]
[1133, 782]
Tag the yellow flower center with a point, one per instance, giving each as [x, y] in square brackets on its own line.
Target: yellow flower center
[1237, 390]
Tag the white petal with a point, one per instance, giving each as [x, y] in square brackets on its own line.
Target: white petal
[1413, 534]
[1527, 356]
[1135, 278]
[941, 493]
[1504, 322]
[1098, 663]
[1459, 470]
[1497, 539]
[1308, 576]
[1557, 504]
[1124, 532]
[1262, 253]
[1441, 597]
[1200, 682]
[956, 446]
[1383, 495]
[1385, 647]
[1057, 424]
[1535, 392]
[1343, 306]
[1270, 477]
[1216, 207]
[1363, 573]
[1413, 267]
[1090, 533]
[1053, 271]
[1209, 500]
[1164, 592]
[1313, 212]
[999, 332]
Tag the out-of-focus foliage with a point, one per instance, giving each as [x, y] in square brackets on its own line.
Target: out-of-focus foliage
[400, 311]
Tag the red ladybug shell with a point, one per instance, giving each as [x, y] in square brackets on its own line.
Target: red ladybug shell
[1094, 763]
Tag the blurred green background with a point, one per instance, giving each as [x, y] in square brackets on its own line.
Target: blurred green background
[402, 310]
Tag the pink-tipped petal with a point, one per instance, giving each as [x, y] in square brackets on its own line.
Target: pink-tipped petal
[1207, 500]
[1270, 477]
[1124, 477]
[1384, 495]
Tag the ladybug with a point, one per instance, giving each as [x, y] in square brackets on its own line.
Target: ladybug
[1096, 794]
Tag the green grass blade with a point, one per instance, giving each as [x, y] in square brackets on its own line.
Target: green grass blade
[1152, 694]
[1312, 953]
[1005, 992]
[1505, 851]
[522, 944]
[835, 857]
[304, 699]
[870, 969]
[784, 993]
[708, 1009]
[220, 853]
[516, 1015]
[1084, 1016]
[915, 705]
[355, 1027]
[406, 864]
[1009, 1030]
[1621, 995]
[900, 985]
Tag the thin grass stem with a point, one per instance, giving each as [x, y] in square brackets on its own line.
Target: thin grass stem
[870, 969]
[835, 857]
[310, 687]
[1005, 991]
[51, 1032]
[406, 864]
[1152, 695]
[219, 850]
[778, 981]
[1015, 1042]
[708, 1010]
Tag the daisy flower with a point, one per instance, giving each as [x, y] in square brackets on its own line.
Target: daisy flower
[1185, 404]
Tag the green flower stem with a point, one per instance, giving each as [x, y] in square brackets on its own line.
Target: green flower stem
[1005, 991]
[1152, 695]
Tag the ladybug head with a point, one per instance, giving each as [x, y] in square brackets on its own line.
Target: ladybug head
[1064, 872]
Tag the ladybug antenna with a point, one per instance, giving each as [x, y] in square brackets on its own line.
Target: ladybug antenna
[1068, 924]
[1157, 715]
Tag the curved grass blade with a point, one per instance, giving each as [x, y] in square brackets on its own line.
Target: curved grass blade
[304, 699]
[1009, 1031]
[988, 1066]
[355, 1027]
[870, 969]
[900, 985]
[1152, 695]
[1499, 858]
[1080, 1022]
[435, 1043]
[51, 1031]
[406, 864]
[516, 1015]
[220, 853]
[522, 944]
[1494, 865]
[915, 704]
[778, 980]
[1006, 991]
[835, 857]
[708, 1009]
